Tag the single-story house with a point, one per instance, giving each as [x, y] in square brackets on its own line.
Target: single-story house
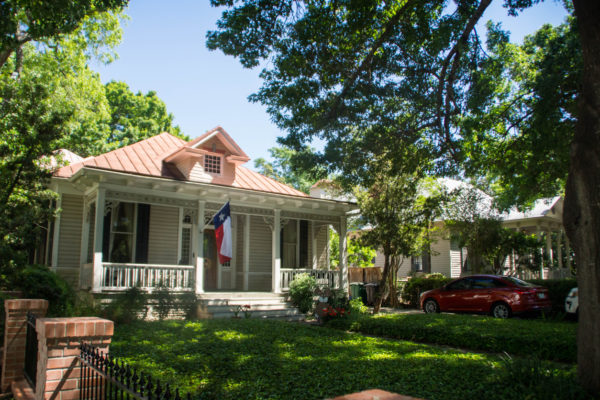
[141, 215]
[544, 219]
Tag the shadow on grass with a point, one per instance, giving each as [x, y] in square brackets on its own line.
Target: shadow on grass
[257, 359]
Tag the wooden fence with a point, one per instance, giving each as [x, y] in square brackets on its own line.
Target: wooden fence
[365, 275]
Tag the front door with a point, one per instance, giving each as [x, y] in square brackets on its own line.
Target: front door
[210, 260]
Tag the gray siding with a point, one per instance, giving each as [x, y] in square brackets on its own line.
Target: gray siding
[163, 238]
[440, 257]
[69, 242]
[322, 247]
[260, 255]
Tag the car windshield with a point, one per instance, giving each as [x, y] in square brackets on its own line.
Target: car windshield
[518, 282]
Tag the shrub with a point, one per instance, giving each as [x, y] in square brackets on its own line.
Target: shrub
[165, 301]
[416, 285]
[301, 292]
[357, 307]
[547, 340]
[85, 305]
[127, 307]
[188, 303]
[558, 289]
[38, 282]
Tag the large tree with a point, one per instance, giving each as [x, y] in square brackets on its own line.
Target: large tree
[24, 21]
[372, 75]
[136, 116]
[284, 167]
[400, 216]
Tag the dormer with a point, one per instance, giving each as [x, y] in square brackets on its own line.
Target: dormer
[210, 158]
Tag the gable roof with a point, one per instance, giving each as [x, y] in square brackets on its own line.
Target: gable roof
[147, 158]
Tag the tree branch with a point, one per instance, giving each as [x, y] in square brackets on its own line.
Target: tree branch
[387, 31]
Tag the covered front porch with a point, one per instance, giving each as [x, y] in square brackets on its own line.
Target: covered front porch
[146, 239]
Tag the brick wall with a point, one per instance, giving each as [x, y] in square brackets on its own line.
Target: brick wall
[14, 337]
[58, 365]
[59, 341]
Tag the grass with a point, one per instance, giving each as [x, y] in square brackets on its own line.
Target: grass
[543, 339]
[258, 359]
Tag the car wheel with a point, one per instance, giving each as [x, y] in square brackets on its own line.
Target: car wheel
[431, 306]
[501, 310]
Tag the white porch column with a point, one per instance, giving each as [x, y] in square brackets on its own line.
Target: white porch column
[313, 244]
[343, 254]
[246, 251]
[98, 236]
[549, 247]
[276, 251]
[559, 243]
[56, 233]
[200, 247]
[541, 251]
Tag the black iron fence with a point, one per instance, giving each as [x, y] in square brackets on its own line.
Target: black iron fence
[104, 377]
[31, 351]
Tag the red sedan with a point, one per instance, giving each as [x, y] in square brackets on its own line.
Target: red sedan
[501, 296]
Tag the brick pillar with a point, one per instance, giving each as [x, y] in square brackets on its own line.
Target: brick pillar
[14, 336]
[58, 341]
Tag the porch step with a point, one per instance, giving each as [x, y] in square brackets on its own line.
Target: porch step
[242, 301]
[288, 314]
[262, 305]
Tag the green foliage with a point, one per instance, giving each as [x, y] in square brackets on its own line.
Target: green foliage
[416, 285]
[284, 168]
[531, 375]
[401, 219]
[165, 301]
[547, 340]
[127, 307]
[359, 255]
[235, 358]
[25, 21]
[558, 289]
[134, 117]
[38, 282]
[85, 305]
[523, 119]
[302, 289]
[188, 303]
[30, 127]
[357, 307]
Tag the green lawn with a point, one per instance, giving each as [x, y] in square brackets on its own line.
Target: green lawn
[544, 339]
[258, 359]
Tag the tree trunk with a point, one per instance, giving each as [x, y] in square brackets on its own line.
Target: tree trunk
[581, 216]
[382, 283]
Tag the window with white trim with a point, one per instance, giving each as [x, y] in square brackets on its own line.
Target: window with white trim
[122, 230]
[186, 240]
[212, 164]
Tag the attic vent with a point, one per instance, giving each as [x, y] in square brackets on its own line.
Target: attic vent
[212, 164]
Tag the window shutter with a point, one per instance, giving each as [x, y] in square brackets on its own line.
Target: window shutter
[303, 244]
[142, 233]
[106, 236]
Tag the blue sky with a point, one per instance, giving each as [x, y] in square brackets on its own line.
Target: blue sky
[163, 49]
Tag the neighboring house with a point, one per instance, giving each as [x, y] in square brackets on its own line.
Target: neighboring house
[447, 258]
[545, 217]
[141, 215]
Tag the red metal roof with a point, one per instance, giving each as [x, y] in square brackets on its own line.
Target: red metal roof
[146, 158]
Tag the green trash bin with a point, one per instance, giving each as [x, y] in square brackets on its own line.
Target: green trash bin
[355, 290]
[363, 293]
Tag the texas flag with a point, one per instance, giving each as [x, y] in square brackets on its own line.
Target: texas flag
[222, 222]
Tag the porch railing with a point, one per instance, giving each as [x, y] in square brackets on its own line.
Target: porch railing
[323, 277]
[117, 276]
